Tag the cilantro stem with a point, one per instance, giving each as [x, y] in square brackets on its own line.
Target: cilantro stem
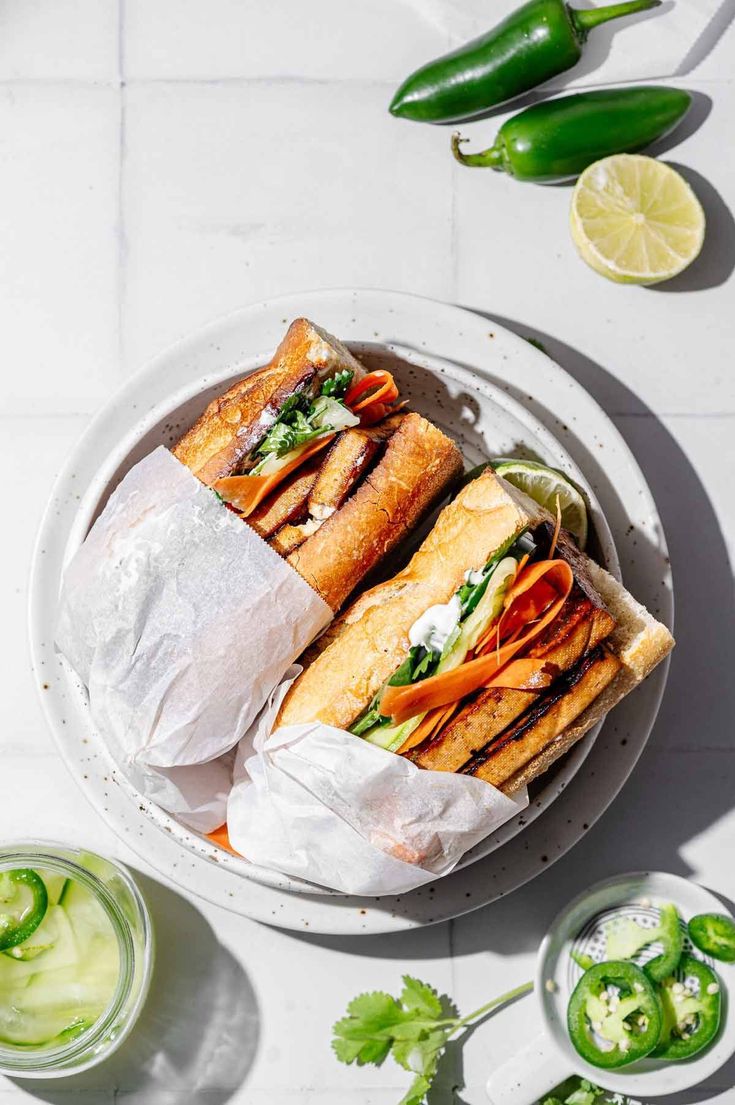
[518, 992]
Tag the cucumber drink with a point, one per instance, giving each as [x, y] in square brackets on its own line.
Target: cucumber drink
[75, 957]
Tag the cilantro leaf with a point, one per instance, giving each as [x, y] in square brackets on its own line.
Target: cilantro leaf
[417, 1091]
[419, 996]
[337, 385]
[365, 1035]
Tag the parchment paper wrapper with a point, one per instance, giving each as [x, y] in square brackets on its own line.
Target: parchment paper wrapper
[180, 621]
[319, 803]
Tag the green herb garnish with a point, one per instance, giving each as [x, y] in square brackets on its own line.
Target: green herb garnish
[303, 418]
[336, 386]
[414, 1028]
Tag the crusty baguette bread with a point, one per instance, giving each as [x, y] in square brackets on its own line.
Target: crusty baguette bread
[366, 645]
[415, 471]
[639, 641]
[235, 423]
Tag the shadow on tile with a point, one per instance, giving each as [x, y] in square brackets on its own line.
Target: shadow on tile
[198, 1033]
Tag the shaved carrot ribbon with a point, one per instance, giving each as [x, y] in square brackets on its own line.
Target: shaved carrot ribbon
[247, 492]
[383, 391]
[431, 724]
[402, 703]
[221, 838]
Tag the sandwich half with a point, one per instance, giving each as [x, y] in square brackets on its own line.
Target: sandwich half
[321, 460]
[497, 647]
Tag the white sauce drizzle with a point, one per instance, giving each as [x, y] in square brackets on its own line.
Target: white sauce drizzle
[436, 625]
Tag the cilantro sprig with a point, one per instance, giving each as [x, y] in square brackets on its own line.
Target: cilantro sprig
[579, 1091]
[413, 1028]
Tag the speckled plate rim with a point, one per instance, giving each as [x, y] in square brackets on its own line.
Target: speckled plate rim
[409, 323]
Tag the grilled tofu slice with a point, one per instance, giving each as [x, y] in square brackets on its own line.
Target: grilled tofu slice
[346, 463]
[286, 503]
[542, 724]
[352, 454]
[579, 628]
[290, 537]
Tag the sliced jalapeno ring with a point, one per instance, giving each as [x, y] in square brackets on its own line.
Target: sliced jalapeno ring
[692, 1006]
[671, 935]
[714, 934]
[16, 888]
[614, 1015]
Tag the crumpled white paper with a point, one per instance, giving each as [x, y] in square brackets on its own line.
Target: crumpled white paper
[662, 42]
[321, 804]
[180, 621]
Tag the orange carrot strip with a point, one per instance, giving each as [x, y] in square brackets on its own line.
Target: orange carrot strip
[524, 675]
[524, 609]
[247, 492]
[402, 703]
[221, 838]
[430, 725]
[386, 390]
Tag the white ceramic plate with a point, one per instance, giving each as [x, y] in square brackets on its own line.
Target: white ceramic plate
[464, 372]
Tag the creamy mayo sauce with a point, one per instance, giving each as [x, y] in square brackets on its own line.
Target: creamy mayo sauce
[435, 626]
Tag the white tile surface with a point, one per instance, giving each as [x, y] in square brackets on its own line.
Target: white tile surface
[232, 193]
[257, 157]
[59, 39]
[59, 149]
[221, 39]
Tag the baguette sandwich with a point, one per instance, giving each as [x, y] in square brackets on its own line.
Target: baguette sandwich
[491, 653]
[321, 460]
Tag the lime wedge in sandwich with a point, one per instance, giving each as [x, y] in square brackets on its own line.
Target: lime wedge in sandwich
[546, 485]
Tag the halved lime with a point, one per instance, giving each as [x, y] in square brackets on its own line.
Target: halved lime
[546, 485]
[635, 220]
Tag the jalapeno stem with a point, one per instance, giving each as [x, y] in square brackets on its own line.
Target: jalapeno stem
[492, 158]
[585, 19]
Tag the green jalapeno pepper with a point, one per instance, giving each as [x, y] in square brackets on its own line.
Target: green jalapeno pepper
[671, 935]
[536, 42]
[614, 1015]
[557, 139]
[16, 887]
[714, 934]
[692, 1007]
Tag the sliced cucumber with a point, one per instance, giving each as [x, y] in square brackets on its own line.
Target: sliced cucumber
[59, 981]
[50, 947]
[54, 886]
[484, 614]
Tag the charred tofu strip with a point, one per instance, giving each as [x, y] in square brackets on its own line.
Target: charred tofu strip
[579, 628]
[288, 539]
[351, 454]
[286, 503]
[345, 464]
[557, 709]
